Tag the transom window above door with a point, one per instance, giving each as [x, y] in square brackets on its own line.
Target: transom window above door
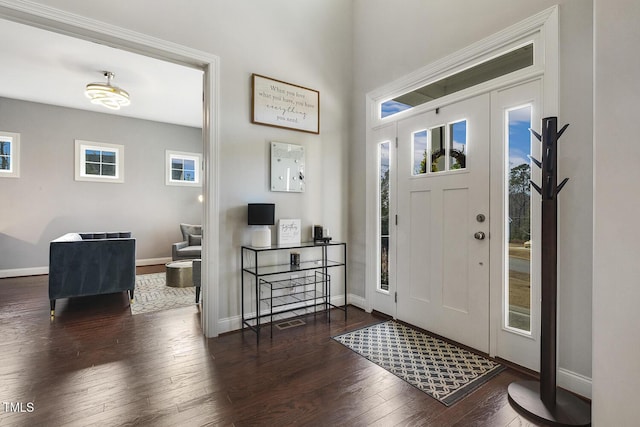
[440, 149]
[501, 65]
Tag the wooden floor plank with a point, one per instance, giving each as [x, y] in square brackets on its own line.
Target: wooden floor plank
[96, 364]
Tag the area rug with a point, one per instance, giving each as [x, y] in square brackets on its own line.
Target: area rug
[442, 370]
[152, 294]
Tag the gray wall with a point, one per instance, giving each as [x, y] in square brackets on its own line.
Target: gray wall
[616, 207]
[393, 39]
[46, 201]
[302, 42]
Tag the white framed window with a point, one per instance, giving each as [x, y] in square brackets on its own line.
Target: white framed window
[9, 154]
[99, 162]
[183, 168]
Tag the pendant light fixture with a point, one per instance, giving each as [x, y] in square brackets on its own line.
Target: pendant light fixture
[110, 96]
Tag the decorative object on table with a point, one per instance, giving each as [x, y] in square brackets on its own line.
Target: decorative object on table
[543, 401]
[191, 245]
[320, 234]
[284, 105]
[288, 231]
[442, 370]
[318, 231]
[295, 258]
[287, 167]
[261, 216]
[152, 294]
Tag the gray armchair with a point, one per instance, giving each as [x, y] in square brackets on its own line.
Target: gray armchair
[191, 245]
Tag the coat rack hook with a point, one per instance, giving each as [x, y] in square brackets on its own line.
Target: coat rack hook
[564, 181]
[536, 134]
[561, 131]
[535, 161]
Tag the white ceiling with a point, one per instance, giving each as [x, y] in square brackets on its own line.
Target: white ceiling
[50, 68]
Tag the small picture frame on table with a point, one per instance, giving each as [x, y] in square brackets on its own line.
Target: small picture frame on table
[289, 232]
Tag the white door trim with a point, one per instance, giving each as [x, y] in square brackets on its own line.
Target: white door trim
[542, 29]
[59, 21]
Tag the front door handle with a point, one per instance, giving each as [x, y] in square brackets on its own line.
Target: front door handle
[479, 235]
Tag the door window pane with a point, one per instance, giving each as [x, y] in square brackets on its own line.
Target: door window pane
[383, 168]
[458, 145]
[420, 152]
[438, 150]
[518, 231]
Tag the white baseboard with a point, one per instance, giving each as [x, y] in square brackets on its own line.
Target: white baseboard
[358, 301]
[229, 324]
[153, 261]
[574, 382]
[37, 271]
[19, 272]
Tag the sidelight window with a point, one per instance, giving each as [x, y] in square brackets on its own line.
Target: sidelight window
[518, 224]
[383, 213]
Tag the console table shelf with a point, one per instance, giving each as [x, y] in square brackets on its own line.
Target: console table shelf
[307, 285]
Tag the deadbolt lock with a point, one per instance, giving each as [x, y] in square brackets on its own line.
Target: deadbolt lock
[480, 218]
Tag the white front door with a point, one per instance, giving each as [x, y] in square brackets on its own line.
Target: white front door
[442, 255]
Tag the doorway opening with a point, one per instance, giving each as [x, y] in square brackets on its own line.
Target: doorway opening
[91, 30]
[438, 145]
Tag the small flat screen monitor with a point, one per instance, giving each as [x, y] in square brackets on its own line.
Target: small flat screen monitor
[261, 213]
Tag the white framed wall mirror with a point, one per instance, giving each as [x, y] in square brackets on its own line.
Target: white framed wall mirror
[287, 167]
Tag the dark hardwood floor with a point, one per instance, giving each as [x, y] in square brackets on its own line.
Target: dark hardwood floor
[96, 364]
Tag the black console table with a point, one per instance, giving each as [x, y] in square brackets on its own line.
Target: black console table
[279, 286]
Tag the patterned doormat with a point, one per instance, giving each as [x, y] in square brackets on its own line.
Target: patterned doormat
[152, 294]
[442, 370]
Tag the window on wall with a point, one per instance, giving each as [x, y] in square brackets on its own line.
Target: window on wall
[183, 168]
[9, 154]
[99, 161]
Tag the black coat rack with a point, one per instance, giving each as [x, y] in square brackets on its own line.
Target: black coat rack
[543, 400]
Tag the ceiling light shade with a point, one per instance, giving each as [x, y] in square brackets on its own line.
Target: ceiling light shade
[105, 94]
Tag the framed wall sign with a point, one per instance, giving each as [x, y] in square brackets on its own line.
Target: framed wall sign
[284, 105]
